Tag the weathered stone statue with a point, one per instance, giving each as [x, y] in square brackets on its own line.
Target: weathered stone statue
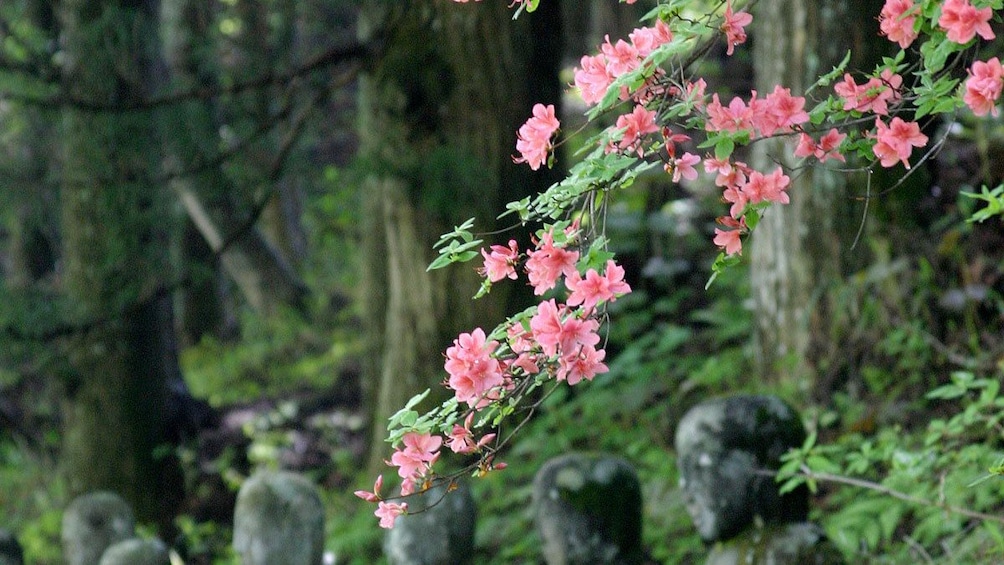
[588, 510]
[728, 450]
[91, 523]
[438, 529]
[279, 520]
[136, 551]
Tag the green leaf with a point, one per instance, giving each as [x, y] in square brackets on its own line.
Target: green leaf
[439, 263]
[724, 148]
[459, 232]
[791, 484]
[520, 207]
[752, 217]
[995, 203]
[414, 400]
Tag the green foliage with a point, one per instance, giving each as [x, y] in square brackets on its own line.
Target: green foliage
[457, 246]
[32, 497]
[205, 540]
[994, 203]
[274, 357]
[932, 492]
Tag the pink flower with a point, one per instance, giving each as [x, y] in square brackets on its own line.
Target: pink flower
[583, 363]
[737, 116]
[371, 496]
[734, 177]
[546, 327]
[983, 87]
[525, 362]
[389, 511]
[636, 124]
[827, 148]
[473, 371]
[732, 27]
[896, 21]
[696, 92]
[501, 262]
[424, 446]
[547, 262]
[519, 339]
[683, 168]
[621, 56]
[647, 39]
[872, 96]
[461, 439]
[597, 288]
[770, 188]
[576, 332]
[895, 142]
[593, 79]
[778, 112]
[738, 198]
[533, 140]
[730, 239]
[417, 455]
[962, 21]
[715, 165]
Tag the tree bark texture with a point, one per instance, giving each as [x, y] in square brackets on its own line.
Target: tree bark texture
[438, 116]
[801, 249]
[115, 254]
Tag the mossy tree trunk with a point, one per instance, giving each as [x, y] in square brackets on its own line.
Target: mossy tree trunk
[802, 249]
[115, 255]
[438, 116]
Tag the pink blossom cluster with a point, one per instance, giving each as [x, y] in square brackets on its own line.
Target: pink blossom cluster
[983, 87]
[560, 339]
[895, 142]
[873, 96]
[778, 112]
[963, 21]
[743, 187]
[597, 72]
[828, 146]
[475, 375]
[533, 140]
[546, 263]
[639, 123]
[732, 27]
[414, 461]
[897, 21]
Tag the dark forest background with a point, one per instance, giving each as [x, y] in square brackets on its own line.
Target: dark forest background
[217, 217]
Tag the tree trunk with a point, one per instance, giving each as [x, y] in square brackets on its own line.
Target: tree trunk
[115, 255]
[438, 116]
[800, 250]
[264, 277]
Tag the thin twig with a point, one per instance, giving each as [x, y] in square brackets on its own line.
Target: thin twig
[880, 488]
[332, 56]
[864, 213]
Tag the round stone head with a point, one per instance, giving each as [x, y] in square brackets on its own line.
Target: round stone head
[728, 449]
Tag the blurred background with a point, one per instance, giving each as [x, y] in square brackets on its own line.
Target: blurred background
[217, 217]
